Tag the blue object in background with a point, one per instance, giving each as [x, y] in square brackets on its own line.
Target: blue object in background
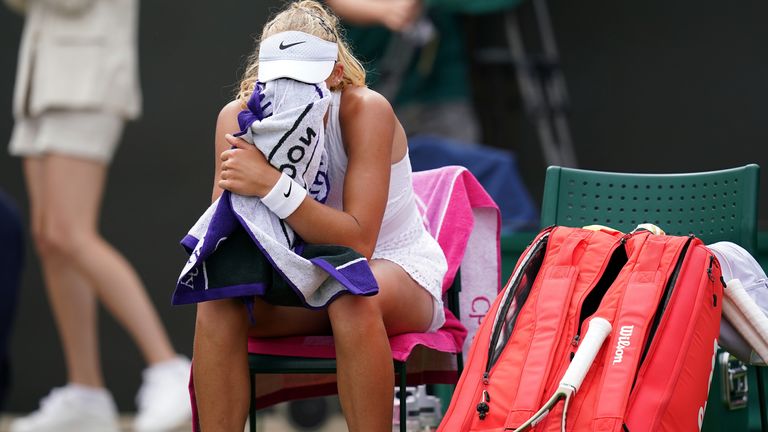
[494, 168]
[11, 260]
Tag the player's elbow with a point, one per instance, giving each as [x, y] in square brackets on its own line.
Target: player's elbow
[364, 239]
[364, 247]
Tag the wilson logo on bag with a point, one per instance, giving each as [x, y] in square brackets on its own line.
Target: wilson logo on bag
[624, 341]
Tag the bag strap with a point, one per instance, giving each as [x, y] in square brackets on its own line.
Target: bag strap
[639, 299]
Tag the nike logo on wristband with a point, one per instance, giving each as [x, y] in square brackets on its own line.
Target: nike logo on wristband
[284, 45]
[290, 186]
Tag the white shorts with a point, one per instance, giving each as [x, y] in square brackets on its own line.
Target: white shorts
[85, 134]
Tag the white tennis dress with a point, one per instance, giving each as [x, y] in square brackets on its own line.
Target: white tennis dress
[403, 239]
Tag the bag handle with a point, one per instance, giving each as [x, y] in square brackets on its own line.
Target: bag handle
[652, 252]
[567, 254]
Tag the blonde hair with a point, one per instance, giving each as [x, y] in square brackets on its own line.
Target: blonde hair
[311, 17]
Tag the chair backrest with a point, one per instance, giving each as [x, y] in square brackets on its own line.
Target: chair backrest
[714, 205]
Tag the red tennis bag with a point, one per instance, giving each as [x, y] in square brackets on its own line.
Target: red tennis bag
[661, 295]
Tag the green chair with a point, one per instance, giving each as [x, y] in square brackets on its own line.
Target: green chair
[715, 206]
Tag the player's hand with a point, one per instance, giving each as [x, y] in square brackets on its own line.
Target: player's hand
[245, 170]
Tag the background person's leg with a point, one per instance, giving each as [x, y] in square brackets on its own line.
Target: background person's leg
[72, 300]
[83, 404]
[73, 189]
[79, 268]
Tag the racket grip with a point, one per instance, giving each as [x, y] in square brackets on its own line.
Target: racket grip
[598, 330]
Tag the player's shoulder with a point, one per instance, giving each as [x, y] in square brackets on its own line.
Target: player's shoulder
[230, 110]
[358, 99]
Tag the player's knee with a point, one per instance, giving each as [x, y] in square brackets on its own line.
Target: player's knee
[221, 320]
[354, 316]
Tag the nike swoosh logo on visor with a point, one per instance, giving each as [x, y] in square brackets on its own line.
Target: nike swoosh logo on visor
[284, 45]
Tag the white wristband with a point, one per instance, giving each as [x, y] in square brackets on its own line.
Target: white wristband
[285, 197]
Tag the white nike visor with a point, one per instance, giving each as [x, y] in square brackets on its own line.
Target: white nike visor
[297, 55]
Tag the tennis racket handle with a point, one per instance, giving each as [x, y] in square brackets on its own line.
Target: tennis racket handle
[598, 330]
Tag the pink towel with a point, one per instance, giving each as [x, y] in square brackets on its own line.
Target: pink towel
[466, 223]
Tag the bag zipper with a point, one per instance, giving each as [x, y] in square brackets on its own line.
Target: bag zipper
[576, 338]
[510, 295]
[485, 397]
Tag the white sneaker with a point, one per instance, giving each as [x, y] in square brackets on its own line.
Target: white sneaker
[72, 408]
[163, 399]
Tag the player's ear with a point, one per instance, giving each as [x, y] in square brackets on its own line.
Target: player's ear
[337, 74]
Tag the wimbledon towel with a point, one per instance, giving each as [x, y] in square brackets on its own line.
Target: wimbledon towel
[239, 248]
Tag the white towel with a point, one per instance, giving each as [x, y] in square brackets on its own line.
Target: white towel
[239, 248]
[745, 306]
[744, 314]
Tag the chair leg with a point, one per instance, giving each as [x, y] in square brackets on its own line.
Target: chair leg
[403, 408]
[252, 407]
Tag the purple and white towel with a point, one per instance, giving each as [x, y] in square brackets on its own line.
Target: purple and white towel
[239, 248]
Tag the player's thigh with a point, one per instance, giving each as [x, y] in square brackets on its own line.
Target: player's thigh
[405, 306]
[279, 321]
